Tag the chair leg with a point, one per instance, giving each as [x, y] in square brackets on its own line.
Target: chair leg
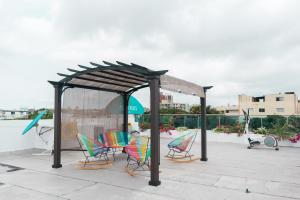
[128, 161]
[106, 158]
[114, 151]
[169, 152]
[173, 154]
[135, 168]
[86, 161]
[189, 155]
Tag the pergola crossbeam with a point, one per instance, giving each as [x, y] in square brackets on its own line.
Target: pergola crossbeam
[71, 85]
[84, 67]
[109, 78]
[132, 80]
[95, 80]
[136, 72]
[137, 88]
[104, 69]
[113, 79]
[73, 70]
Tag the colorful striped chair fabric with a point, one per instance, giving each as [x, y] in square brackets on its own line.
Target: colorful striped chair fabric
[91, 147]
[138, 148]
[138, 153]
[114, 139]
[182, 144]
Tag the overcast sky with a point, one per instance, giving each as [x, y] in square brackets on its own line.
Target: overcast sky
[241, 46]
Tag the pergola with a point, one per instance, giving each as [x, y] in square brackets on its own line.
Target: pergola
[124, 79]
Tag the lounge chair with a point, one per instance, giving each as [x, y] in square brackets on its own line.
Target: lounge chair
[95, 151]
[179, 149]
[138, 154]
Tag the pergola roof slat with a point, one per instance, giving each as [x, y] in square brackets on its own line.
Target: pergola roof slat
[106, 82]
[119, 68]
[120, 77]
[114, 73]
[72, 85]
[143, 70]
[138, 72]
[97, 84]
[113, 78]
[110, 75]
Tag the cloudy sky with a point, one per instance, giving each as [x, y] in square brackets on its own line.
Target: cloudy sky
[238, 46]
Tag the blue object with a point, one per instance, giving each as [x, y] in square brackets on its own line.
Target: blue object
[34, 121]
[116, 106]
[135, 107]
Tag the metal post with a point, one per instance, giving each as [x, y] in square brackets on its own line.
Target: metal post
[57, 126]
[203, 130]
[155, 137]
[203, 125]
[125, 116]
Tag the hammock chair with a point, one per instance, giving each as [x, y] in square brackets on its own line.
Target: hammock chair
[95, 151]
[138, 154]
[179, 149]
[114, 140]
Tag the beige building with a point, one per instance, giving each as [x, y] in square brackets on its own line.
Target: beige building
[274, 104]
[166, 101]
[228, 110]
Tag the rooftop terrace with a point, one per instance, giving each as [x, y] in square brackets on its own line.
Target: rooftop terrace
[268, 174]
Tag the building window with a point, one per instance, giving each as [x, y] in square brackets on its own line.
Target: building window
[254, 99]
[261, 110]
[280, 109]
[279, 98]
[258, 99]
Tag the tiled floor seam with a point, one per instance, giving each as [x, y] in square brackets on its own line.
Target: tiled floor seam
[118, 186]
[216, 174]
[79, 189]
[214, 186]
[94, 182]
[30, 189]
[208, 185]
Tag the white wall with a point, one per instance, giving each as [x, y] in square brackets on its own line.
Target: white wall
[230, 138]
[11, 138]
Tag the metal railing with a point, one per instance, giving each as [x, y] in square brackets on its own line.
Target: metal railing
[216, 120]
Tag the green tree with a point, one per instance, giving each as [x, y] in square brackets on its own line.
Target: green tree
[48, 115]
[209, 110]
[172, 111]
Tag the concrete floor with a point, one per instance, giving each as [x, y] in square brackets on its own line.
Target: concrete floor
[231, 168]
